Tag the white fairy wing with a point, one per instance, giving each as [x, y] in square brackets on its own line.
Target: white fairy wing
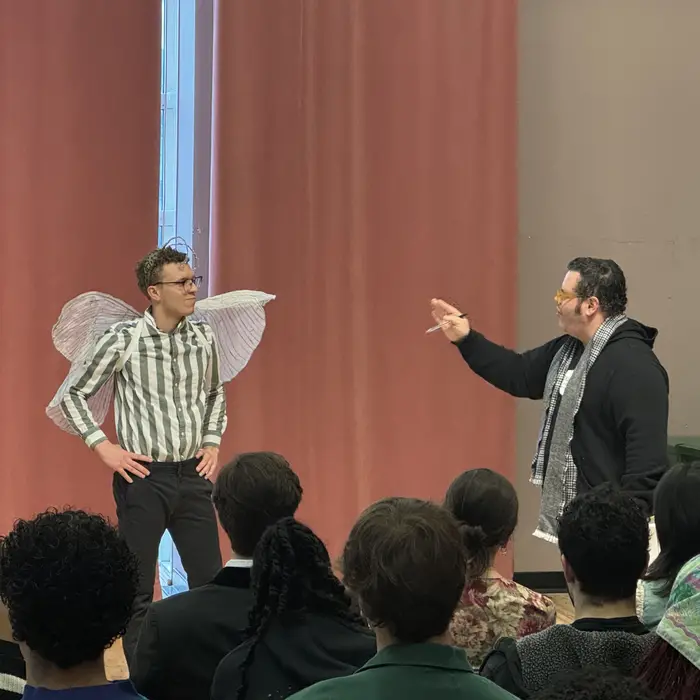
[82, 322]
[85, 319]
[237, 320]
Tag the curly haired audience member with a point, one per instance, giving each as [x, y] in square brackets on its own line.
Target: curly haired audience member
[69, 582]
[677, 519]
[492, 606]
[594, 683]
[301, 627]
[183, 638]
[405, 563]
[604, 540]
[672, 667]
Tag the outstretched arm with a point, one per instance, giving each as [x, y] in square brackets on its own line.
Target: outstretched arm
[100, 368]
[519, 374]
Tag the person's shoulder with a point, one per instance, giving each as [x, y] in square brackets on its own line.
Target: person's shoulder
[481, 688]
[333, 689]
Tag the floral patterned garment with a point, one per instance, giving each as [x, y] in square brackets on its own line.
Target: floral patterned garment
[492, 608]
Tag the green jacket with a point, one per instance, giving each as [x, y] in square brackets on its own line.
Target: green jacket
[409, 672]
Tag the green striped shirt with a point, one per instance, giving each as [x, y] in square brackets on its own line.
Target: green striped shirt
[169, 399]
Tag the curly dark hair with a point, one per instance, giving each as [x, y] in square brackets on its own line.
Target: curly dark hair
[68, 580]
[251, 493]
[149, 269]
[604, 280]
[486, 506]
[594, 683]
[604, 535]
[677, 518]
[406, 564]
[292, 573]
[669, 674]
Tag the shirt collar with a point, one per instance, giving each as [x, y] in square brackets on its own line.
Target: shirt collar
[239, 563]
[151, 322]
[428, 654]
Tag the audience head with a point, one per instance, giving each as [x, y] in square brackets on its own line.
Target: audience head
[677, 518]
[486, 506]
[405, 563]
[604, 542]
[251, 493]
[672, 667]
[595, 684]
[69, 581]
[292, 573]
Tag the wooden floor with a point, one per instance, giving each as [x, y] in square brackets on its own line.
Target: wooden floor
[116, 668]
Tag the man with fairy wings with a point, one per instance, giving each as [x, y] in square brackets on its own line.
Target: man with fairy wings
[166, 369]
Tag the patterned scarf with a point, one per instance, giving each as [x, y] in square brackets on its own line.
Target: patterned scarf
[556, 472]
[680, 626]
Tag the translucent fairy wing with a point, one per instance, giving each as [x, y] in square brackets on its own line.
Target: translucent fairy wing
[85, 319]
[237, 320]
[82, 322]
[99, 403]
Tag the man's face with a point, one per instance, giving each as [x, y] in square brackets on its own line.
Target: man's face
[568, 309]
[177, 290]
[574, 314]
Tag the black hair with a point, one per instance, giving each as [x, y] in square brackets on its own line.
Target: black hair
[677, 518]
[405, 562]
[666, 672]
[486, 506]
[594, 683]
[604, 280]
[251, 493]
[292, 573]
[68, 580]
[149, 270]
[604, 535]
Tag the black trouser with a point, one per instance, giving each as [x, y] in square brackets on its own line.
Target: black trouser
[175, 498]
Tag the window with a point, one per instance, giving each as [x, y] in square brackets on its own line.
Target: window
[177, 94]
[185, 162]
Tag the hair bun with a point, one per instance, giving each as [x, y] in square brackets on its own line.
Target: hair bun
[473, 536]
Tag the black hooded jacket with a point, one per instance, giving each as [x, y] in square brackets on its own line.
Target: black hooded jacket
[620, 430]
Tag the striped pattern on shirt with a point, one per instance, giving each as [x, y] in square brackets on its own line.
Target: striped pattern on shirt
[169, 398]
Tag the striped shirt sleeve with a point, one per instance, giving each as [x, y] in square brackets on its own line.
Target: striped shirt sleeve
[102, 366]
[215, 415]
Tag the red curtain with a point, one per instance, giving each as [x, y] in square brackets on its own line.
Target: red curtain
[79, 134]
[365, 161]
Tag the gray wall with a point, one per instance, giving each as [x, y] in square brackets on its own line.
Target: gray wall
[610, 167]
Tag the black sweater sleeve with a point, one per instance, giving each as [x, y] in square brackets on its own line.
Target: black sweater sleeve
[518, 374]
[638, 393]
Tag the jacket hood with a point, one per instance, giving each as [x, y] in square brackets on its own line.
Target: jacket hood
[634, 330]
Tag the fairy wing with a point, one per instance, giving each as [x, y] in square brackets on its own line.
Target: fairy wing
[85, 319]
[82, 322]
[237, 320]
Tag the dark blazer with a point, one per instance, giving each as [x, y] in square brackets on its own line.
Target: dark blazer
[183, 638]
[410, 672]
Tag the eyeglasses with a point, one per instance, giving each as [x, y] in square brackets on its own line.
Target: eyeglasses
[563, 296]
[195, 281]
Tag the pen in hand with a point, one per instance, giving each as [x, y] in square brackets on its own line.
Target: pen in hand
[441, 325]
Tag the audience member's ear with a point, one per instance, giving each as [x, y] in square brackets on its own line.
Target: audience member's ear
[5, 629]
[569, 575]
